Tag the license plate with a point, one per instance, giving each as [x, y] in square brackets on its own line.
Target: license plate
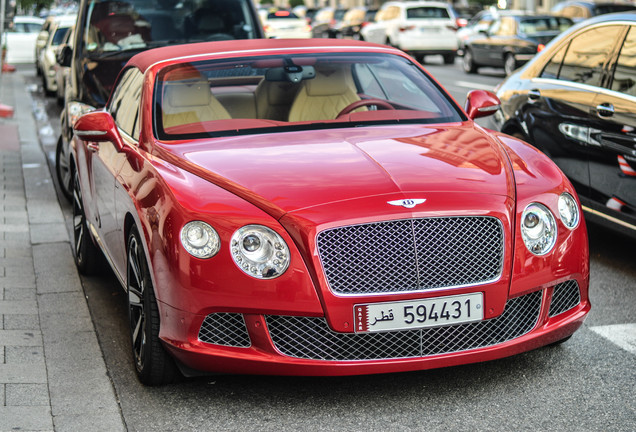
[414, 314]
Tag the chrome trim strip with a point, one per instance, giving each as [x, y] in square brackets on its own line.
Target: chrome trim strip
[609, 218]
[584, 87]
[89, 133]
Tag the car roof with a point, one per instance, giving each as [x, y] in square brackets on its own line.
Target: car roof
[248, 47]
[27, 19]
[65, 20]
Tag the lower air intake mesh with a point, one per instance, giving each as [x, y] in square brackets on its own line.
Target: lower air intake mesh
[226, 329]
[311, 338]
[566, 296]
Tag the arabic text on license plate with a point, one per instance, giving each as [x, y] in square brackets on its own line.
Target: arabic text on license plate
[432, 312]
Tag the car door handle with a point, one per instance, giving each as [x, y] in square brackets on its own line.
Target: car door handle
[605, 110]
[534, 94]
[94, 147]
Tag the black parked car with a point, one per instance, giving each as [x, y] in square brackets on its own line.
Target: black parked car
[511, 40]
[576, 101]
[109, 32]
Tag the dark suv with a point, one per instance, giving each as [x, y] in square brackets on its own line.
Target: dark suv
[109, 32]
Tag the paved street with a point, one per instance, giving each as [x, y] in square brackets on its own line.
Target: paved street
[57, 373]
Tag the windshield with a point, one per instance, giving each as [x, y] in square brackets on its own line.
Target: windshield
[59, 35]
[294, 92]
[137, 24]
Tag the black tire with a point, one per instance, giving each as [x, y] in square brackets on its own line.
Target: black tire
[152, 363]
[87, 255]
[469, 63]
[510, 64]
[449, 58]
[63, 170]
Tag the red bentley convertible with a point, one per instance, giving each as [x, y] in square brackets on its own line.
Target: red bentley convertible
[320, 208]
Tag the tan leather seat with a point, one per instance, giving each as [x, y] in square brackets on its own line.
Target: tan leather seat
[189, 100]
[324, 96]
[274, 99]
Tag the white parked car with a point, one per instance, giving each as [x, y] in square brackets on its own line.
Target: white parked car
[420, 28]
[285, 24]
[47, 61]
[20, 39]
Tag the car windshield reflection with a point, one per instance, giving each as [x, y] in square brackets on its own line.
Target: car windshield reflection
[300, 92]
[119, 26]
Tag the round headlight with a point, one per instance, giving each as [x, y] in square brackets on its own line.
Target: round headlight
[260, 252]
[200, 239]
[568, 210]
[538, 229]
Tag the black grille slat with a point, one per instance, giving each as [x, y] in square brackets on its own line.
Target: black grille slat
[227, 329]
[412, 254]
[566, 296]
[311, 338]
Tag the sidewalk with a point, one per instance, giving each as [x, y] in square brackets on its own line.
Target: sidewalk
[52, 372]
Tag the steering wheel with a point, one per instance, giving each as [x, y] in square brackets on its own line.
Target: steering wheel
[365, 102]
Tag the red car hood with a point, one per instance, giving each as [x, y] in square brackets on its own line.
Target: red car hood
[287, 172]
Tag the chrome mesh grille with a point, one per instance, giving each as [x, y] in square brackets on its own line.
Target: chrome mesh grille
[566, 295]
[412, 254]
[226, 329]
[311, 338]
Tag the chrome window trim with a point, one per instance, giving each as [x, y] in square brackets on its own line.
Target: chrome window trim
[584, 87]
[609, 218]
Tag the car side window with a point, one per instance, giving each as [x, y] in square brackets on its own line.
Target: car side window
[624, 79]
[124, 106]
[552, 68]
[588, 54]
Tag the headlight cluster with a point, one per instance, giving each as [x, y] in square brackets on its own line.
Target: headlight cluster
[200, 239]
[260, 252]
[257, 250]
[538, 225]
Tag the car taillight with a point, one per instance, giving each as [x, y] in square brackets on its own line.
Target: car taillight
[308, 28]
[461, 22]
[540, 48]
[405, 28]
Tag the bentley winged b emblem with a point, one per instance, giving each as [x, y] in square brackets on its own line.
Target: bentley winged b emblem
[407, 203]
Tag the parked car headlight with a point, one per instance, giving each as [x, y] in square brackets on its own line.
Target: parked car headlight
[200, 239]
[568, 210]
[260, 252]
[538, 229]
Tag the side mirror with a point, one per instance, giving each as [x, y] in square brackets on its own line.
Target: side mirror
[97, 126]
[481, 103]
[64, 56]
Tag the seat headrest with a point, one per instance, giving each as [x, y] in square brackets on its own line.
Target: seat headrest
[328, 82]
[187, 93]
